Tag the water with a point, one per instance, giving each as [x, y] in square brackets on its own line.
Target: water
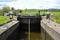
[33, 36]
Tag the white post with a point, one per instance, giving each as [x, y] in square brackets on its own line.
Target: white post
[29, 29]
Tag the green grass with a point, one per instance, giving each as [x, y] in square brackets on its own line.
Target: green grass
[55, 13]
[4, 19]
[29, 12]
[42, 12]
[56, 19]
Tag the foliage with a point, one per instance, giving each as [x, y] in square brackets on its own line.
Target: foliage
[56, 18]
[6, 9]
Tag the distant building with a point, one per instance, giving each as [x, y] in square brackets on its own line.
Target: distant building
[5, 14]
[8, 13]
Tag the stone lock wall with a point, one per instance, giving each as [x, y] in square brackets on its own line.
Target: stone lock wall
[49, 31]
[11, 33]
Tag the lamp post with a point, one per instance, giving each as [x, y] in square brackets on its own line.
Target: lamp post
[11, 13]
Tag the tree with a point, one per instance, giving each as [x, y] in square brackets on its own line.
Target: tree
[1, 12]
[6, 9]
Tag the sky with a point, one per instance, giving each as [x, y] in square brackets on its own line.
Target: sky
[31, 4]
